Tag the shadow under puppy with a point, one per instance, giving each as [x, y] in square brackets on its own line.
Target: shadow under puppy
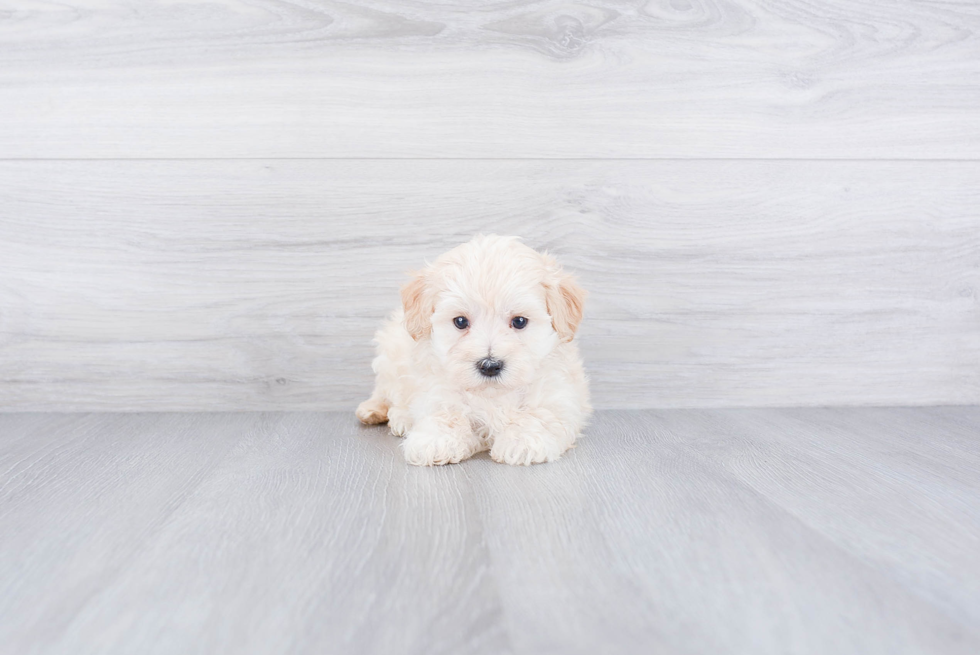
[481, 356]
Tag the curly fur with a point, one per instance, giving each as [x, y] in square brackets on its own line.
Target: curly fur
[429, 388]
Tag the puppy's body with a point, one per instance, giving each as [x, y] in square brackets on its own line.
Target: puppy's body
[510, 381]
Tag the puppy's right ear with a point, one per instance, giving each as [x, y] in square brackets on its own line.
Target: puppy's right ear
[419, 304]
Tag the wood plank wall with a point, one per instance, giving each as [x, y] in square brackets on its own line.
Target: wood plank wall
[210, 205]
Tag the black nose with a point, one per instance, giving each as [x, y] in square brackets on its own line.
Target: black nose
[490, 367]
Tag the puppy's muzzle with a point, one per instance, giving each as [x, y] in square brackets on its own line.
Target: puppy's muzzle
[489, 367]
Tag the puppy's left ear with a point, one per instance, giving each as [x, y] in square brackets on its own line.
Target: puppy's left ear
[418, 303]
[566, 301]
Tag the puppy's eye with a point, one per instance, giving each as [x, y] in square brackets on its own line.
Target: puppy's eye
[518, 323]
[461, 322]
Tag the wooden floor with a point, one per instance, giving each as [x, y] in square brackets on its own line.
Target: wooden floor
[674, 531]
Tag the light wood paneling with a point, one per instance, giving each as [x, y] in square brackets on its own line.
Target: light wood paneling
[666, 78]
[199, 285]
[676, 531]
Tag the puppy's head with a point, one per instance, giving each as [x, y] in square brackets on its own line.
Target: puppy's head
[493, 309]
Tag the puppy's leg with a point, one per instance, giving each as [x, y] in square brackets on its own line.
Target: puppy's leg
[533, 437]
[399, 421]
[392, 387]
[445, 437]
[373, 411]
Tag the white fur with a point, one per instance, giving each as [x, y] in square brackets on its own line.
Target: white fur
[428, 387]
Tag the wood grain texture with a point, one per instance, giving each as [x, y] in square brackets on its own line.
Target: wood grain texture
[377, 78]
[258, 285]
[675, 531]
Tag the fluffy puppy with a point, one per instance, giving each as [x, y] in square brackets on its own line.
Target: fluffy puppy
[481, 357]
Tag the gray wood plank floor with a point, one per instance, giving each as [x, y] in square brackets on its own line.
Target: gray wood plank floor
[673, 531]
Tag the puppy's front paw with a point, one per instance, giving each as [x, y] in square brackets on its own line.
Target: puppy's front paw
[523, 445]
[372, 411]
[435, 442]
[399, 421]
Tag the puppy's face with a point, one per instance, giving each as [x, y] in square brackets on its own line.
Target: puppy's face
[493, 309]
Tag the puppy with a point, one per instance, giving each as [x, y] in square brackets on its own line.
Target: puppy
[481, 357]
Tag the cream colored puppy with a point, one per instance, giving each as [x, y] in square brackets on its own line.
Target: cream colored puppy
[481, 357]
